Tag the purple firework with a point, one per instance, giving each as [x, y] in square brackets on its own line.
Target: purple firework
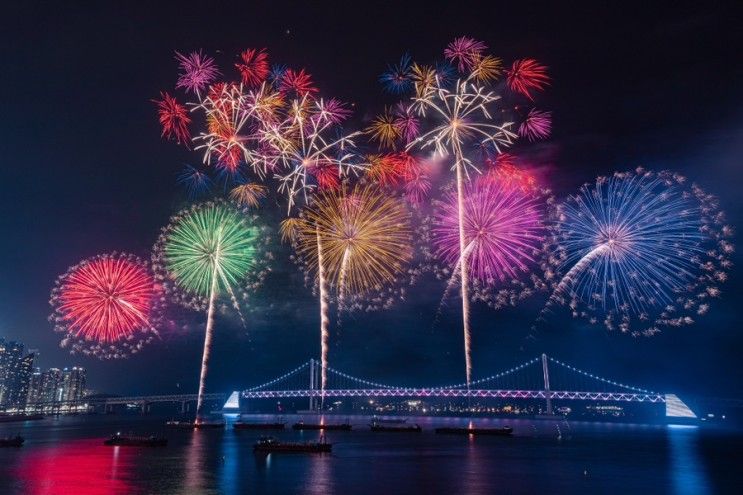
[503, 230]
[537, 125]
[197, 71]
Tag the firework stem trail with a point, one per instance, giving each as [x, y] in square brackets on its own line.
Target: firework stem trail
[463, 266]
[576, 270]
[324, 321]
[207, 346]
[342, 282]
[452, 280]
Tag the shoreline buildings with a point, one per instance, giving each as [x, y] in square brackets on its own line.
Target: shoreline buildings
[22, 385]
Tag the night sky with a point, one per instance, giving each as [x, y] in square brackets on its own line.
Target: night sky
[84, 171]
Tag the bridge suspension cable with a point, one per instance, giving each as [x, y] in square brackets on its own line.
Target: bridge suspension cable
[601, 379]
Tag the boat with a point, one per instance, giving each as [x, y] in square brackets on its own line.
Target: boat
[390, 421]
[192, 425]
[132, 441]
[319, 426]
[11, 418]
[396, 427]
[503, 431]
[16, 441]
[202, 425]
[245, 425]
[270, 444]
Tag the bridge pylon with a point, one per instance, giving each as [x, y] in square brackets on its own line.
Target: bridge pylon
[546, 373]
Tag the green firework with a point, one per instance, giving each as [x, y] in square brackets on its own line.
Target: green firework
[212, 244]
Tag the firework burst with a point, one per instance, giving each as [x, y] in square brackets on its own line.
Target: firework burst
[108, 306]
[640, 251]
[174, 119]
[198, 71]
[209, 251]
[537, 125]
[353, 242]
[527, 75]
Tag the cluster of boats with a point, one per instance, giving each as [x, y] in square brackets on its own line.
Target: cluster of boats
[269, 444]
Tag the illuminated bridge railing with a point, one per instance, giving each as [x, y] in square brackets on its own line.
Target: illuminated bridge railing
[452, 393]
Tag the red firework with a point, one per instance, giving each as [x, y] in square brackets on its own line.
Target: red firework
[106, 299]
[173, 118]
[300, 82]
[326, 174]
[525, 75]
[254, 67]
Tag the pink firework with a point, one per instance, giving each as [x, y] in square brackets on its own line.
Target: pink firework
[197, 71]
[526, 75]
[253, 66]
[407, 122]
[464, 52]
[503, 230]
[537, 125]
[299, 82]
[173, 118]
[417, 188]
[332, 110]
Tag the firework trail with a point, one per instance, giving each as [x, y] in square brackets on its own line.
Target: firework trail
[205, 252]
[107, 306]
[356, 240]
[463, 112]
[639, 248]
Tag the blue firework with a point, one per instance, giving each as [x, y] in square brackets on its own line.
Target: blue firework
[194, 181]
[397, 78]
[640, 247]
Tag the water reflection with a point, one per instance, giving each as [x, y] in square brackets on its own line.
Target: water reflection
[83, 467]
[320, 476]
[194, 477]
[687, 466]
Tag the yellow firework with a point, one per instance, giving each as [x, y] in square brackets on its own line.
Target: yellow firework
[383, 130]
[248, 194]
[487, 68]
[364, 237]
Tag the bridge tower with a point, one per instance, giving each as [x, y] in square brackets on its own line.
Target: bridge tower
[546, 373]
[312, 384]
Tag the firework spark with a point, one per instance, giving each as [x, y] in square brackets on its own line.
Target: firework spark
[107, 306]
[198, 71]
[249, 195]
[253, 66]
[196, 182]
[537, 125]
[397, 78]
[527, 75]
[174, 119]
[640, 249]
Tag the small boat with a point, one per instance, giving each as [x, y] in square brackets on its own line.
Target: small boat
[503, 431]
[401, 428]
[318, 426]
[12, 418]
[205, 425]
[270, 444]
[389, 421]
[16, 441]
[245, 425]
[127, 441]
[193, 425]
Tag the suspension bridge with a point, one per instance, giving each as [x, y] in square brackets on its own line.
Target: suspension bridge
[542, 378]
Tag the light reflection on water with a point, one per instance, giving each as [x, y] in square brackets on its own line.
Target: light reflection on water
[687, 465]
[67, 456]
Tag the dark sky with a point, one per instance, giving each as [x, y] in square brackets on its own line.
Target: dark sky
[84, 170]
